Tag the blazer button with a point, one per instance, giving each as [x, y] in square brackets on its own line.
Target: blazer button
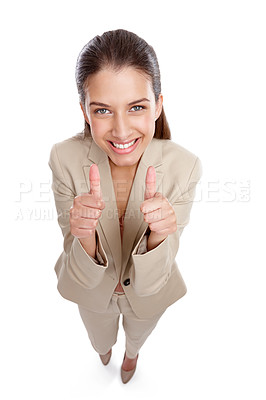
[127, 282]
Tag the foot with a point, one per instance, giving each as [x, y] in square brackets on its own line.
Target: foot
[129, 363]
[128, 368]
[106, 357]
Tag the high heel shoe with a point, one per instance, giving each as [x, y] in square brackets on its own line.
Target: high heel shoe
[127, 375]
[106, 357]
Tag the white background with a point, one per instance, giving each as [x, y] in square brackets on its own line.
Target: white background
[211, 343]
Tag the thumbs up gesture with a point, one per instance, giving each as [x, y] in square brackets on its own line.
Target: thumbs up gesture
[87, 207]
[158, 212]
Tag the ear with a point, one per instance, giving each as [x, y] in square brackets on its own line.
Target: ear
[84, 113]
[159, 106]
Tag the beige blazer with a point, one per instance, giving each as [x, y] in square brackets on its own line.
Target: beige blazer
[151, 280]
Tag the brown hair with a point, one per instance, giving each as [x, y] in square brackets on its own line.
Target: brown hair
[117, 49]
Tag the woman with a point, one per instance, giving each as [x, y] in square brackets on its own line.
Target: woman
[123, 193]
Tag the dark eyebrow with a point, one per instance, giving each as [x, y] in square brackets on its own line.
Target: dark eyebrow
[96, 103]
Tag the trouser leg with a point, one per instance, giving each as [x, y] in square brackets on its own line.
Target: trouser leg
[102, 328]
[136, 329]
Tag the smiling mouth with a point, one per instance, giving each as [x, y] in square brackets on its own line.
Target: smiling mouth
[125, 146]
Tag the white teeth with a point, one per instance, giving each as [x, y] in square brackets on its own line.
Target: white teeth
[125, 146]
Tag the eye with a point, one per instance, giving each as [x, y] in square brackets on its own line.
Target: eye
[138, 106]
[100, 109]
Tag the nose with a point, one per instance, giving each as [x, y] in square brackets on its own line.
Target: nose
[121, 128]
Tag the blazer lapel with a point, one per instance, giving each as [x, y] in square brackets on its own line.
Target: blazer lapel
[133, 220]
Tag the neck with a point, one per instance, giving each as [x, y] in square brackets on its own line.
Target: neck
[123, 171]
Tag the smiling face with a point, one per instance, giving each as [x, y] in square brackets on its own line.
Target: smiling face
[120, 107]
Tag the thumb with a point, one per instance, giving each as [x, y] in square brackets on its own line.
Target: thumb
[95, 183]
[150, 183]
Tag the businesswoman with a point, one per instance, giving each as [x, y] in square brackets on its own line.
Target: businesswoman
[123, 192]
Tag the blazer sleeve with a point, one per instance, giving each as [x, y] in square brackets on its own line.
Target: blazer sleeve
[152, 269]
[80, 266]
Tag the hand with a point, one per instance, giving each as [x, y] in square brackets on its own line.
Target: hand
[158, 212]
[87, 207]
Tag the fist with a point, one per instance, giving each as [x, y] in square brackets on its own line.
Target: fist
[87, 207]
[157, 211]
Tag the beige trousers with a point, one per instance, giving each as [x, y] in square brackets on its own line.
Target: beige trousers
[102, 328]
